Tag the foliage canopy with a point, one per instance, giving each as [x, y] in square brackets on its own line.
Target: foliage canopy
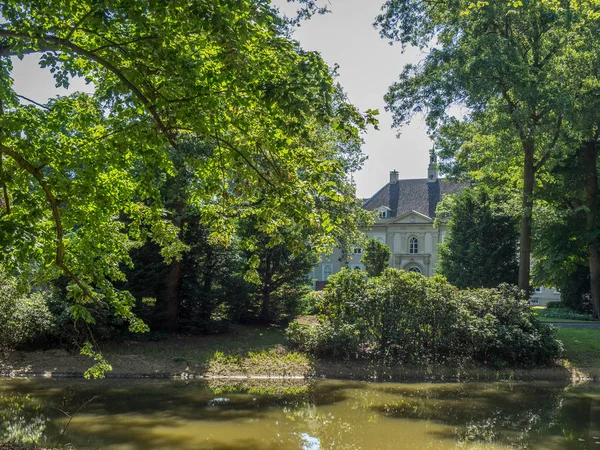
[81, 175]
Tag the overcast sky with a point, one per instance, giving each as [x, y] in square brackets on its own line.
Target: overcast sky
[368, 65]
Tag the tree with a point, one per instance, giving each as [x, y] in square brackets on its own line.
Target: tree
[275, 267]
[497, 59]
[480, 248]
[376, 257]
[221, 71]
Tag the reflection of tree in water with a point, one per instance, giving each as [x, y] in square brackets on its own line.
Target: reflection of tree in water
[21, 419]
[335, 414]
[519, 415]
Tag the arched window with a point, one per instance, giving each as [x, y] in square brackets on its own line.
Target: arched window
[413, 245]
[414, 269]
[326, 272]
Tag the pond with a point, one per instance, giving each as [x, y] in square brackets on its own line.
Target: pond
[220, 415]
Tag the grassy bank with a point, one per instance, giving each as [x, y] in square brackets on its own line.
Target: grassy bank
[250, 351]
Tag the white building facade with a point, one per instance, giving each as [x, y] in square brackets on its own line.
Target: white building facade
[406, 214]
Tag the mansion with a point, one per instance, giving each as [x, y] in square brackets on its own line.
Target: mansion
[406, 211]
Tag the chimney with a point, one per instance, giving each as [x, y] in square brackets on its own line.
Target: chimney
[393, 177]
[432, 170]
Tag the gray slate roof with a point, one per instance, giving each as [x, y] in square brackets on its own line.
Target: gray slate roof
[412, 195]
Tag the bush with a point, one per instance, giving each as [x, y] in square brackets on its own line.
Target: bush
[552, 305]
[561, 313]
[310, 303]
[323, 339]
[409, 318]
[22, 315]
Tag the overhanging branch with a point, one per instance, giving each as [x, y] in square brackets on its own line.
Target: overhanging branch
[53, 202]
[56, 43]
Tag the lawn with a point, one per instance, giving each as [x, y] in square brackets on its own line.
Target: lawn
[582, 346]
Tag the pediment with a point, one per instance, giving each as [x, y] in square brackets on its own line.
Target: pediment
[412, 217]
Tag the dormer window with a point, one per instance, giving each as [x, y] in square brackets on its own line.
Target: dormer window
[383, 212]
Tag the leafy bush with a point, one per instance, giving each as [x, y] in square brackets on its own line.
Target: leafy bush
[310, 303]
[22, 315]
[504, 330]
[562, 312]
[409, 318]
[323, 339]
[552, 305]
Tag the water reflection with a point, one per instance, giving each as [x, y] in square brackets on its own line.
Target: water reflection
[299, 415]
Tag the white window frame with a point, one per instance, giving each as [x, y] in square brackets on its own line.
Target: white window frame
[413, 250]
[325, 266]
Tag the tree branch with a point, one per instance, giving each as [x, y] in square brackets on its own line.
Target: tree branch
[32, 101]
[60, 247]
[245, 158]
[548, 152]
[65, 43]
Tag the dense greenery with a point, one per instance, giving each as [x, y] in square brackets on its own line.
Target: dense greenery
[81, 176]
[480, 247]
[23, 315]
[409, 318]
[526, 73]
[376, 257]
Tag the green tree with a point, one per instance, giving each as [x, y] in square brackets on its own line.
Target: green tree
[222, 71]
[376, 257]
[275, 269]
[481, 246]
[500, 60]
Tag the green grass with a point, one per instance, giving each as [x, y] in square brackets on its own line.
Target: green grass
[243, 350]
[582, 346]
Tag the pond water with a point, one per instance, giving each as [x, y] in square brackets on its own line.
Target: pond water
[220, 415]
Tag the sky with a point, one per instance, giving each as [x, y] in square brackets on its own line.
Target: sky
[368, 65]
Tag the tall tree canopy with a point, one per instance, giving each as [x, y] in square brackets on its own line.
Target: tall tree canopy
[481, 246]
[503, 62]
[80, 175]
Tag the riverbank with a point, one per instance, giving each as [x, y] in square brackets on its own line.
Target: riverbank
[260, 352]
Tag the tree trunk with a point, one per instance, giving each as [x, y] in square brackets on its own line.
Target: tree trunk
[527, 214]
[590, 175]
[265, 313]
[173, 286]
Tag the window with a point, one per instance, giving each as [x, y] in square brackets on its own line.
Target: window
[538, 290]
[357, 251]
[534, 301]
[382, 214]
[414, 269]
[357, 268]
[380, 239]
[326, 272]
[413, 246]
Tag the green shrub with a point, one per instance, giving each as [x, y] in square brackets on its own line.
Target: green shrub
[22, 315]
[504, 330]
[563, 313]
[323, 339]
[409, 318]
[310, 303]
[552, 305]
